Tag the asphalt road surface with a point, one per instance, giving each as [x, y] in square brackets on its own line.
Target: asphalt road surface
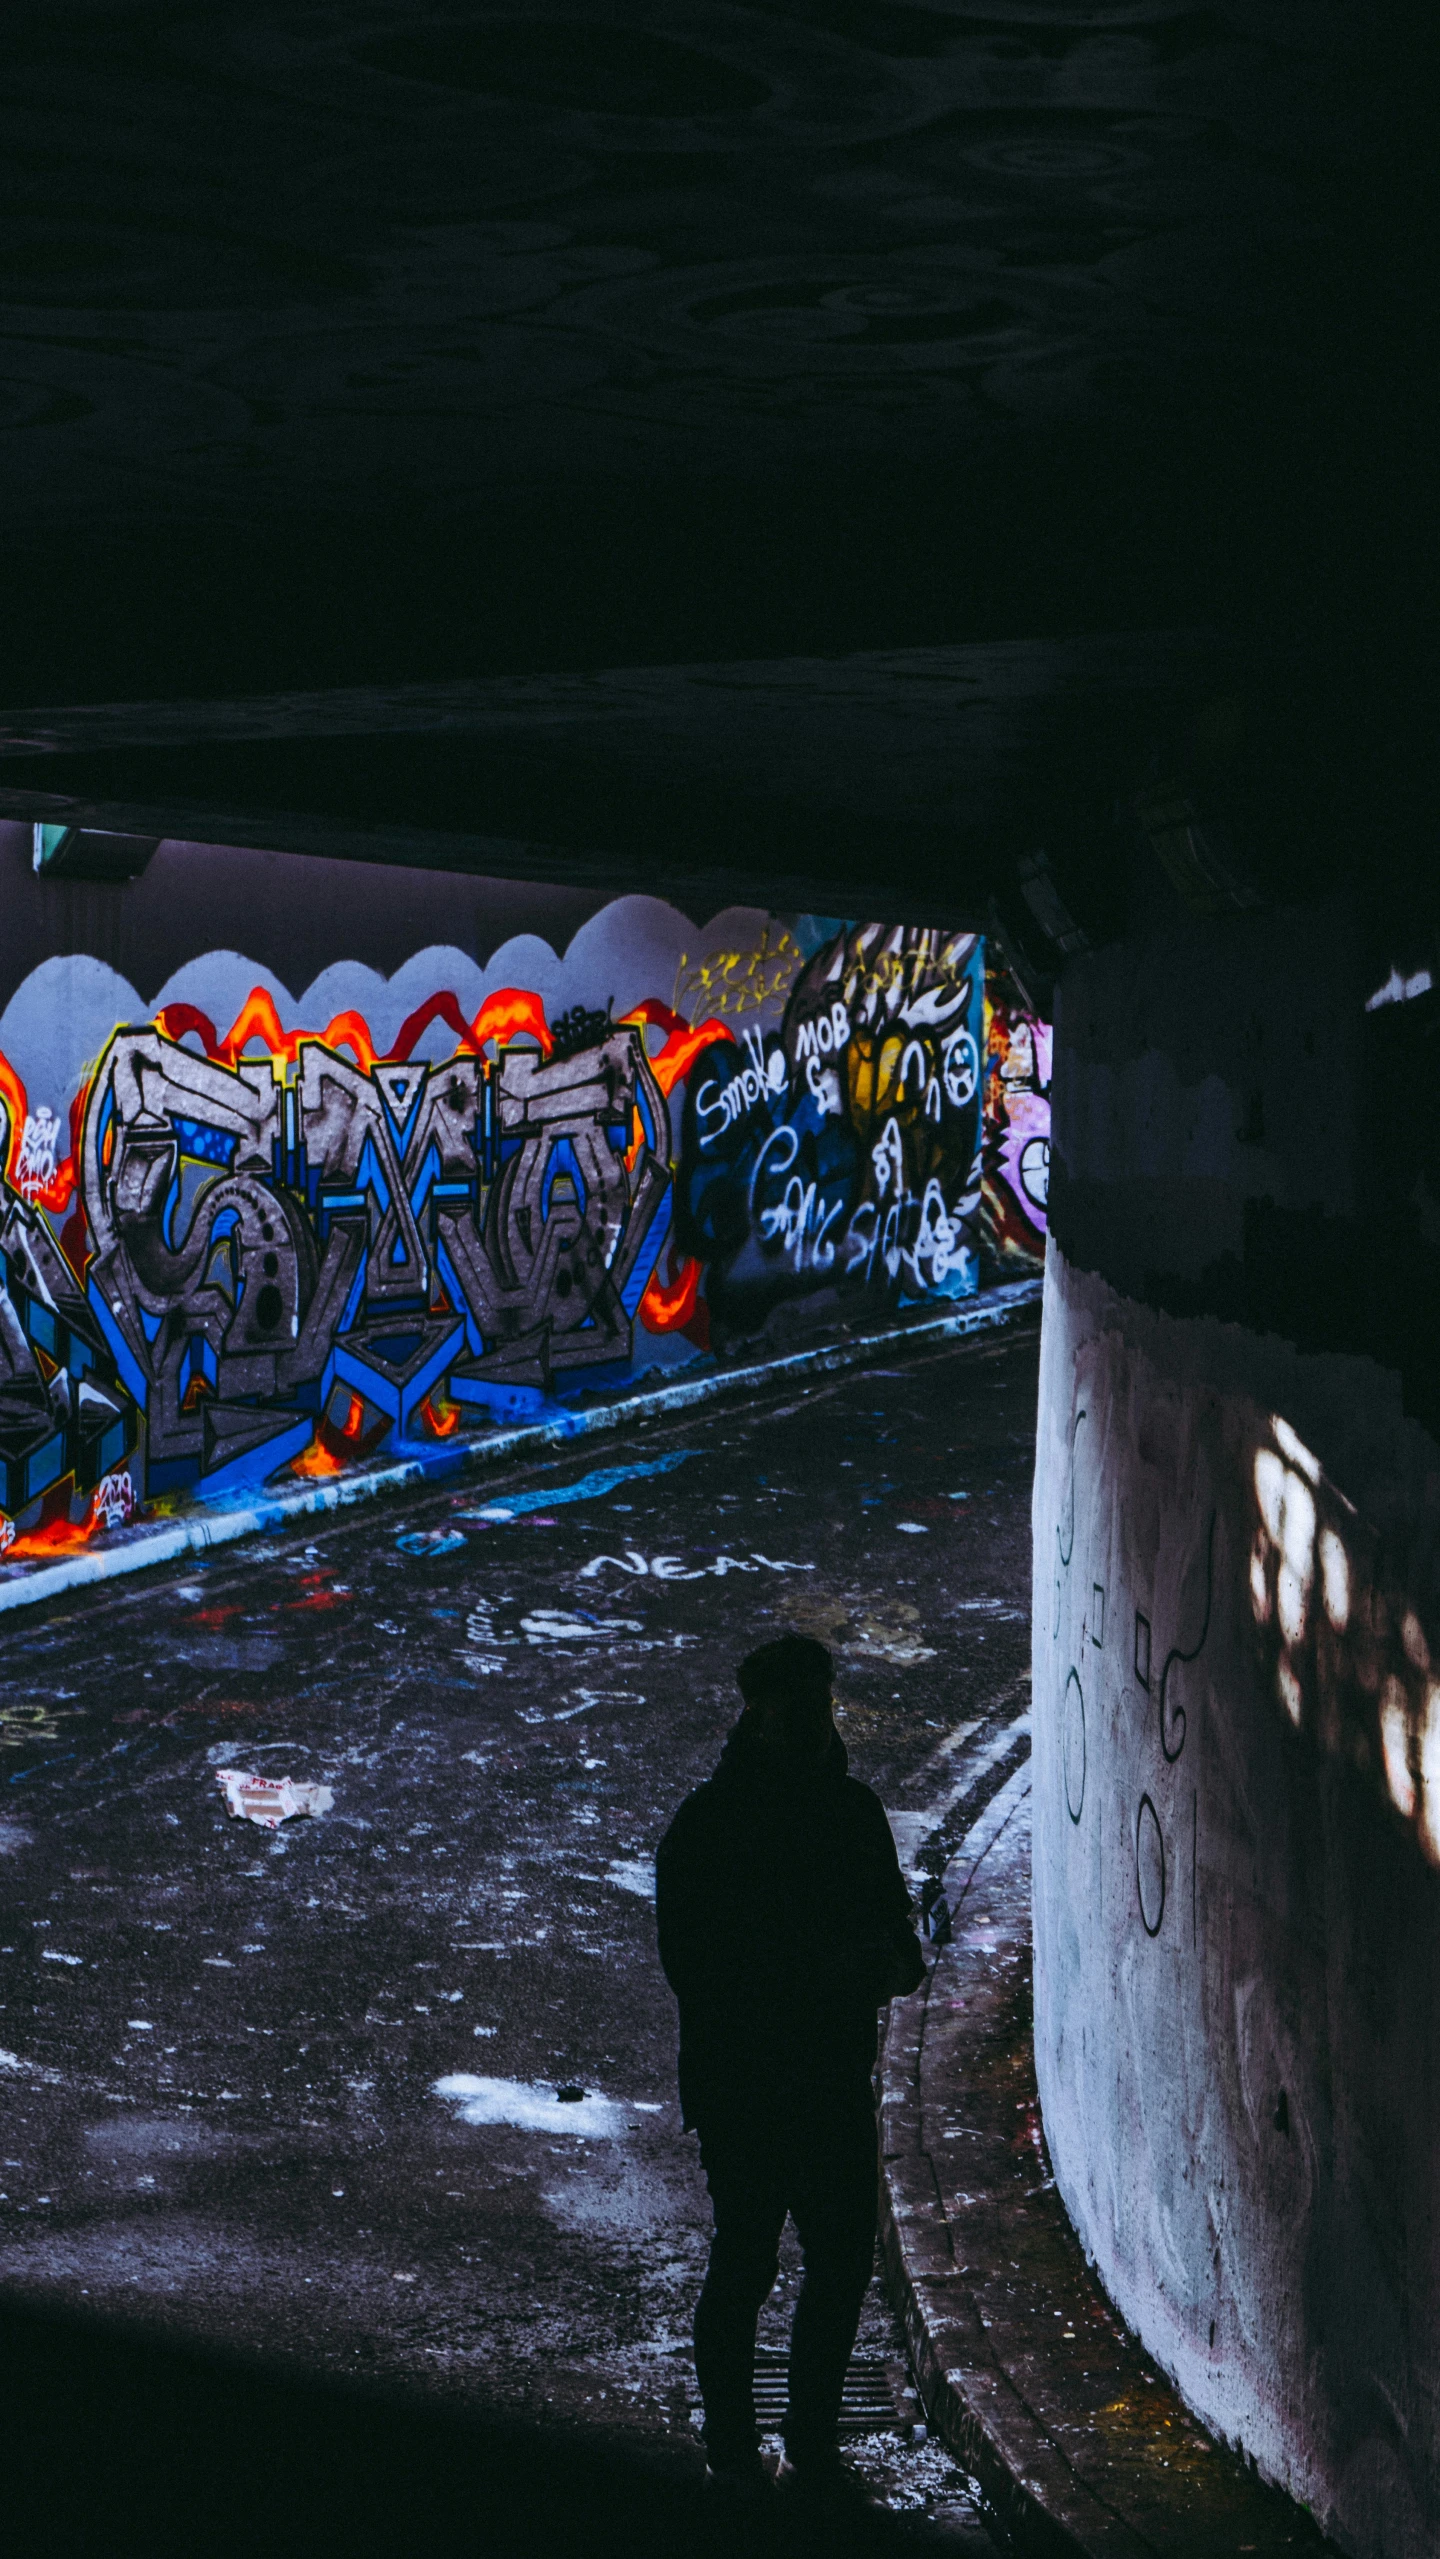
[312, 2093]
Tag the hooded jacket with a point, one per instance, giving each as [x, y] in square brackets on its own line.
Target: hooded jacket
[784, 1922]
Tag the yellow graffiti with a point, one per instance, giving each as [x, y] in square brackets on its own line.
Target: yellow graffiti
[736, 982]
[22, 1724]
[887, 1083]
[871, 974]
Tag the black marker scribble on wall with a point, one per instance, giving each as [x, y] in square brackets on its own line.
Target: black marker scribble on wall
[1065, 1526]
[1172, 1719]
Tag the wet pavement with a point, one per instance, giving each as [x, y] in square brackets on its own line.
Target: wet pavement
[312, 2094]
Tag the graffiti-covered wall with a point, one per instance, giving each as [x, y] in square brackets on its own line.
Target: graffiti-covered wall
[242, 1231]
[1015, 1147]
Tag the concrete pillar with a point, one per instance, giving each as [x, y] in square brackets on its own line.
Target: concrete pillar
[1237, 1688]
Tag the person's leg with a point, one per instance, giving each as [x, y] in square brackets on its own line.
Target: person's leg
[747, 2192]
[832, 2189]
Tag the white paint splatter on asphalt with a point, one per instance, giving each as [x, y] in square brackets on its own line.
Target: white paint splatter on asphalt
[556, 1626]
[633, 1875]
[530, 2105]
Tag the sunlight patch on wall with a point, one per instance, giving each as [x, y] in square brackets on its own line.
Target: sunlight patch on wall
[1347, 1653]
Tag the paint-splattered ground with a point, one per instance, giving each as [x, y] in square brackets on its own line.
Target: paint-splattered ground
[299, 2091]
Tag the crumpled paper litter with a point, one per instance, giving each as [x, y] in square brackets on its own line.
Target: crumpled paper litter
[271, 1800]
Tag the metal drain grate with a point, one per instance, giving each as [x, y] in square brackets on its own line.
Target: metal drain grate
[868, 2405]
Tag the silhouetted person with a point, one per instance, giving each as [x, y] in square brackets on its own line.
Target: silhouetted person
[784, 1923]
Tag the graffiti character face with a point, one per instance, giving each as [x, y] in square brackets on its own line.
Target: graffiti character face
[960, 1069]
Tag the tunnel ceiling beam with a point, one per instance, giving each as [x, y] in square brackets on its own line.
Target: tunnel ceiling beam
[908, 782]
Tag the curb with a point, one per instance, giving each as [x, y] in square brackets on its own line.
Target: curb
[135, 1551]
[969, 2399]
[1082, 2448]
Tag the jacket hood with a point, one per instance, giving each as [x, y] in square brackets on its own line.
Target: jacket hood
[744, 1761]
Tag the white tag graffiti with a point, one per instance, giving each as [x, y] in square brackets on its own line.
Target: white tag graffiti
[554, 1626]
[39, 1149]
[481, 1638]
[114, 1500]
[888, 1157]
[668, 1568]
[763, 1079]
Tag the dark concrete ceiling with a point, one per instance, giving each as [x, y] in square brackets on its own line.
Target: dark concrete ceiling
[901, 781]
[377, 346]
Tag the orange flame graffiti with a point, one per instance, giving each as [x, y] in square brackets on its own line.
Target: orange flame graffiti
[12, 1094]
[317, 1459]
[668, 1309]
[436, 1008]
[56, 1193]
[56, 1533]
[257, 1019]
[509, 1011]
[56, 1537]
[684, 1040]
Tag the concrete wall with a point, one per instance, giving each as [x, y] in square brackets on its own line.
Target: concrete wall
[1237, 1793]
